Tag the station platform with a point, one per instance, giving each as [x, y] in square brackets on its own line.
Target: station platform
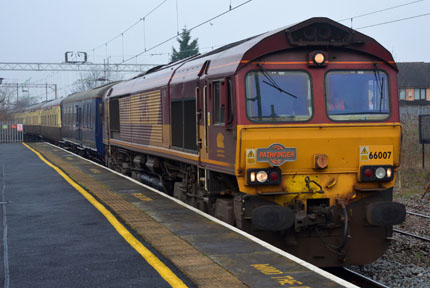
[200, 250]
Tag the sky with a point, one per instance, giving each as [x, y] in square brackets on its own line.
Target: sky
[42, 31]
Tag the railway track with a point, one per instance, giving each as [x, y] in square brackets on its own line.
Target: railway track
[411, 234]
[355, 278]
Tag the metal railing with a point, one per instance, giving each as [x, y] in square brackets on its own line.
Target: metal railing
[11, 132]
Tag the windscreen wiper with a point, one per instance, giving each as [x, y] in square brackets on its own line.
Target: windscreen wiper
[380, 83]
[272, 82]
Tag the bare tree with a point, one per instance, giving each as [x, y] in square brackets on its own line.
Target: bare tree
[93, 79]
[6, 104]
[6, 93]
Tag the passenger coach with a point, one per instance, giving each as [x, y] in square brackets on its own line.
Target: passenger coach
[82, 128]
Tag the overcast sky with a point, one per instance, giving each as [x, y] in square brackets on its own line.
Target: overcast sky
[43, 30]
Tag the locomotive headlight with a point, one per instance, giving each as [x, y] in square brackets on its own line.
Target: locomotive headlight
[261, 176]
[380, 173]
[319, 58]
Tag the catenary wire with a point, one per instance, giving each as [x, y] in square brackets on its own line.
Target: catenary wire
[378, 11]
[130, 27]
[393, 21]
[192, 28]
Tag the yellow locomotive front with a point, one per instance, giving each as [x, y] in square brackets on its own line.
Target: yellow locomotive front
[318, 147]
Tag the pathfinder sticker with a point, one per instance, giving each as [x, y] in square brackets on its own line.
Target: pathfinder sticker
[276, 154]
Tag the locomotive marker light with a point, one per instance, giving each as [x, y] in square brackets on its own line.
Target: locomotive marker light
[264, 176]
[389, 172]
[376, 173]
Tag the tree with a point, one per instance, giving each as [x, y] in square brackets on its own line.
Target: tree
[186, 49]
[6, 104]
[93, 79]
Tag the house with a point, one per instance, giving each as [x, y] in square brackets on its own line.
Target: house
[414, 83]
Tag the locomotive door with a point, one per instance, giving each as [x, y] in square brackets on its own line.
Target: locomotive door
[201, 95]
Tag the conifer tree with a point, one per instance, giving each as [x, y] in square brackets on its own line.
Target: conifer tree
[186, 49]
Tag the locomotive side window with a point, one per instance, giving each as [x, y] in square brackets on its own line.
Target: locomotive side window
[114, 115]
[219, 108]
[278, 96]
[357, 95]
[183, 118]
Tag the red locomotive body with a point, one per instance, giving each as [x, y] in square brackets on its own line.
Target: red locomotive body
[252, 133]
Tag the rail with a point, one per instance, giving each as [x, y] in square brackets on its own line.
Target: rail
[355, 278]
[418, 214]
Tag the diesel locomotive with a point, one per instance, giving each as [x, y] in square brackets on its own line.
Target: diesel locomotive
[292, 135]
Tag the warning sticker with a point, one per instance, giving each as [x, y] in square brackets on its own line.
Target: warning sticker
[250, 156]
[364, 153]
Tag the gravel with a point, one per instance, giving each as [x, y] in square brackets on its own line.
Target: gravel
[406, 263]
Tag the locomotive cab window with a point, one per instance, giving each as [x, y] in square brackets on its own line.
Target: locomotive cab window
[357, 95]
[278, 96]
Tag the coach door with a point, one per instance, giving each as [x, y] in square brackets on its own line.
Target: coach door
[78, 122]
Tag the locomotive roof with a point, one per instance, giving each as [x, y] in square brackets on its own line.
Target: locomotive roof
[89, 94]
[230, 58]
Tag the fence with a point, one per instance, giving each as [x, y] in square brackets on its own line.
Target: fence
[11, 132]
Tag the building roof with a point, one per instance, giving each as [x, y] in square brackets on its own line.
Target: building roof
[414, 74]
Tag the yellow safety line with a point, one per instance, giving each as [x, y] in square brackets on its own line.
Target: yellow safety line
[152, 260]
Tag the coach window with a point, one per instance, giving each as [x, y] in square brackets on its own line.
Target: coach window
[66, 116]
[357, 95]
[90, 115]
[85, 112]
[278, 96]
